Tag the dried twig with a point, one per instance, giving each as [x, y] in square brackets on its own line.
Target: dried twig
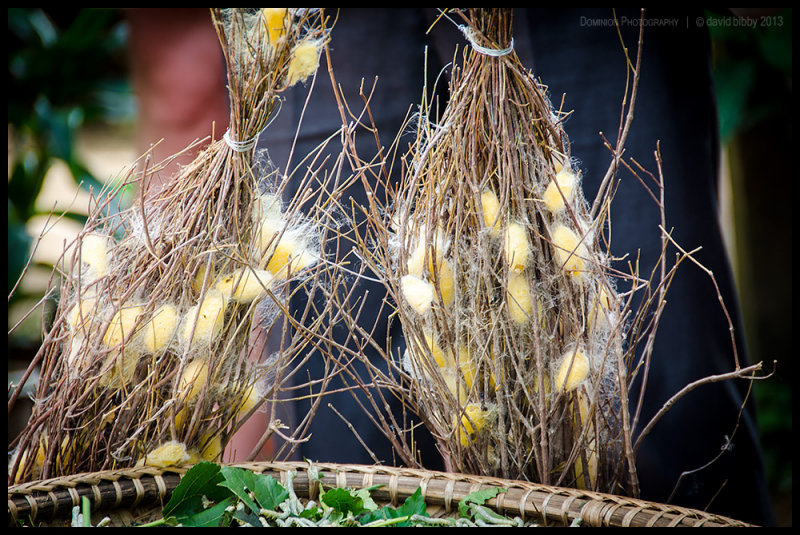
[519, 367]
[153, 339]
[490, 336]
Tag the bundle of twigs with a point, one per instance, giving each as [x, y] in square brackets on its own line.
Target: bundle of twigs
[503, 284]
[523, 339]
[153, 355]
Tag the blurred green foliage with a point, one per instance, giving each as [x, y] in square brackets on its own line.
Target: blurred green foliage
[66, 67]
[752, 69]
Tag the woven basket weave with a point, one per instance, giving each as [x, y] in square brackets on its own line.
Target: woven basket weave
[137, 495]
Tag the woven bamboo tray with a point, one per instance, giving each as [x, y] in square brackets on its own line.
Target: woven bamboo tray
[137, 495]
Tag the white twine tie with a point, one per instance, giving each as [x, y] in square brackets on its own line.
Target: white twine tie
[469, 33]
[244, 146]
[240, 146]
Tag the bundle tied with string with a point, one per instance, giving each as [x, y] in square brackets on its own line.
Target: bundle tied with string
[514, 354]
[153, 356]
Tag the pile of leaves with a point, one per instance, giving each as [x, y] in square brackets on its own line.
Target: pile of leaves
[213, 495]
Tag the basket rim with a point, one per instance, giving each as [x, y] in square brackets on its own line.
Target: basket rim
[137, 487]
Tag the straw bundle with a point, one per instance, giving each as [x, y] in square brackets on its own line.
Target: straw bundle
[153, 357]
[507, 301]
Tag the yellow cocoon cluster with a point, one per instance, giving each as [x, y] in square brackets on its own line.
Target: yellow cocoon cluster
[211, 447]
[304, 62]
[441, 358]
[454, 385]
[473, 421]
[172, 453]
[180, 417]
[519, 297]
[267, 206]
[288, 255]
[194, 457]
[418, 293]
[210, 318]
[39, 457]
[122, 325]
[445, 361]
[585, 478]
[565, 241]
[300, 259]
[572, 371]
[600, 312]
[193, 378]
[94, 252]
[252, 397]
[561, 188]
[445, 283]
[516, 246]
[80, 315]
[416, 261]
[446, 364]
[268, 230]
[123, 367]
[200, 277]
[435, 252]
[38, 461]
[276, 23]
[490, 207]
[158, 332]
[468, 368]
[245, 285]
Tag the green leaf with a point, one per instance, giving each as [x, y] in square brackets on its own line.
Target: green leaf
[236, 479]
[212, 517]
[248, 517]
[187, 499]
[414, 505]
[478, 497]
[84, 178]
[269, 493]
[335, 518]
[312, 513]
[368, 502]
[384, 513]
[344, 501]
